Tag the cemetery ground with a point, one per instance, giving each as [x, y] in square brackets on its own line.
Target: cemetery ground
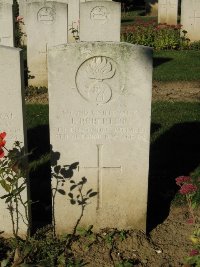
[175, 150]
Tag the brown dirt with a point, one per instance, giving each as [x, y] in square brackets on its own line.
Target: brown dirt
[176, 91]
[169, 91]
[166, 246]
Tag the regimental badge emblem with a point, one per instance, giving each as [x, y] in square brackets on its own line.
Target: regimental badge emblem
[98, 80]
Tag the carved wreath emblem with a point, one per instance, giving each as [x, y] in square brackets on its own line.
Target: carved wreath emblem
[96, 72]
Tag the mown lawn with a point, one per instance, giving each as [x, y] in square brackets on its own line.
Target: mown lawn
[176, 65]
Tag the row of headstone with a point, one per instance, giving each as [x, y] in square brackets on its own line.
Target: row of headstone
[99, 112]
[99, 22]
[167, 11]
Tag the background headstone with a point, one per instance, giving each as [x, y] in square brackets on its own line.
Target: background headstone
[190, 18]
[100, 108]
[100, 21]
[168, 11]
[46, 26]
[6, 23]
[12, 119]
[73, 16]
[152, 7]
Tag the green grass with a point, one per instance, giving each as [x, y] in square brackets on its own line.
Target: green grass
[176, 65]
[37, 115]
[130, 17]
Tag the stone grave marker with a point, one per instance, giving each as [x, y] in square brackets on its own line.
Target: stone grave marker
[190, 18]
[12, 120]
[46, 26]
[168, 11]
[6, 23]
[100, 21]
[100, 108]
[73, 16]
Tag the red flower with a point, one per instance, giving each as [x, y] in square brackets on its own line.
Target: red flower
[188, 189]
[182, 179]
[194, 252]
[2, 136]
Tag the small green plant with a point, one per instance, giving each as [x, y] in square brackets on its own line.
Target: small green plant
[13, 171]
[75, 30]
[13, 180]
[158, 36]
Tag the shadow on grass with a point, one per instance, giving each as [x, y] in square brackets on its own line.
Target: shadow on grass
[175, 153]
[157, 61]
[40, 176]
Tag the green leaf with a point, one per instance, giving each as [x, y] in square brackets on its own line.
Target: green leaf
[8, 199]
[5, 185]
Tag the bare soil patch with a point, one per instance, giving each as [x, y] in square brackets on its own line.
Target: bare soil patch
[168, 91]
[166, 246]
[176, 91]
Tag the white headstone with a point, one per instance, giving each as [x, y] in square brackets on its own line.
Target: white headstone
[100, 108]
[168, 11]
[6, 23]
[190, 18]
[73, 16]
[46, 26]
[12, 120]
[100, 21]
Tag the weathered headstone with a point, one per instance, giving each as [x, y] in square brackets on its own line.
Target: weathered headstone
[46, 26]
[100, 107]
[100, 21]
[190, 18]
[12, 122]
[73, 16]
[168, 11]
[152, 7]
[6, 23]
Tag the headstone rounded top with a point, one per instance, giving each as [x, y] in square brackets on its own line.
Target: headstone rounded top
[46, 15]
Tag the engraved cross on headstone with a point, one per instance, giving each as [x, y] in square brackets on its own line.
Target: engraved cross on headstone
[195, 17]
[100, 168]
[45, 52]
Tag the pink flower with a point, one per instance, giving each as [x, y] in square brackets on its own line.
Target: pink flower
[19, 18]
[190, 221]
[194, 252]
[182, 179]
[188, 189]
